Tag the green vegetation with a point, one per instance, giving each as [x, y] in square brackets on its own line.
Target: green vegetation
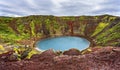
[23, 52]
[2, 49]
[105, 29]
[32, 25]
[100, 27]
[109, 35]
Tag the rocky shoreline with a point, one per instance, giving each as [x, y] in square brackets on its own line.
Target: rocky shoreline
[32, 42]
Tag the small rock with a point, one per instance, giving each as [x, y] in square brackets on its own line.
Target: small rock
[116, 50]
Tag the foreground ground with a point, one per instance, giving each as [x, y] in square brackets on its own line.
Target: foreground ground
[107, 58]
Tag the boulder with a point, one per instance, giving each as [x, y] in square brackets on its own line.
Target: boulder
[47, 55]
[72, 52]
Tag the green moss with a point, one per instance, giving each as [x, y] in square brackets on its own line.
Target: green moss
[110, 34]
[82, 18]
[32, 25]
[20, 28]
[32, 53]
[104, 18]
[48, 22]
[112, 18]
[103, 28]
[99, 28]
[82, 28]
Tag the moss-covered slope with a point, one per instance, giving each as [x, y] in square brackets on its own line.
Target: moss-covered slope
[103, 30]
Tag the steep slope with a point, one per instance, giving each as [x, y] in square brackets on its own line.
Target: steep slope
[102, 30]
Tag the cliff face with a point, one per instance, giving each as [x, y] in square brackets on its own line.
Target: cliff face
[103, 30]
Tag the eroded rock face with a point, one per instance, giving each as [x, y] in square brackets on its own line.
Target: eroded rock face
[101, 29]
[72, 52]
[107, 58]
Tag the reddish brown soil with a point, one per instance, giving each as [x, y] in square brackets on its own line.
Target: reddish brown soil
[99, 59]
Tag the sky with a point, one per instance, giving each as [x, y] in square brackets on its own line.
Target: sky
[17, 8]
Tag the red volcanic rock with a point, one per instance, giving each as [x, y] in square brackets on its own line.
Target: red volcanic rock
[72, 52]
[46, 55]
[6, 56]
[107, 58]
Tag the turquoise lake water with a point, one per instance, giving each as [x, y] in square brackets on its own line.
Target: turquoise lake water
[63, 43]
